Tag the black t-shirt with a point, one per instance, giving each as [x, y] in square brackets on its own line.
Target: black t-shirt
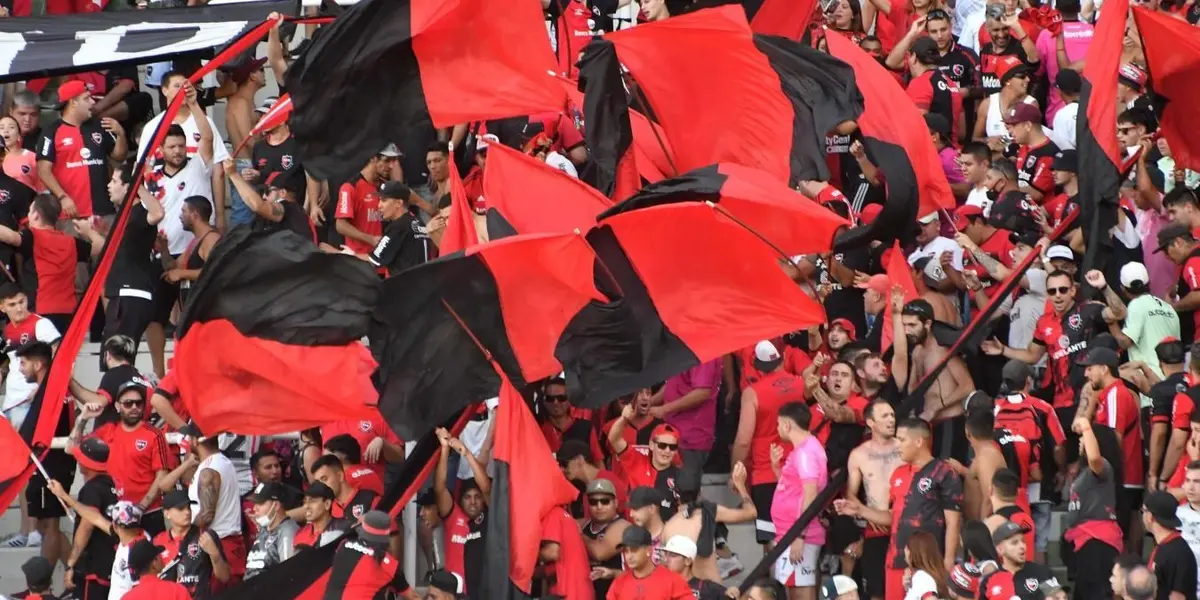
[475, 554]
[134, 267]
[404, 244]
[294, 219]
[959, 65]
[269, 159]
[110, 386]
[1174, 565]
[842, 302]
[195, 568]
[359, 504]
[1024, 584]
[15, 198]
[99, 493]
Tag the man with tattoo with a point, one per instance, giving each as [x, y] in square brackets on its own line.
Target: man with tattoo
[281, 207]
[139, 458]
[870, 477]
[215, 488]
[917, 353]
[984, 246]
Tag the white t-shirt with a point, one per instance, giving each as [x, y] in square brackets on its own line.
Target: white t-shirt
[228, 518]
[1063, 130]
[220, 152]
[16, 389]
[562, 163]
[194, 179]
[920, 585]
[934, 250]
[1190, 531]
[120, 579]
[1026, 310]
[473, 435]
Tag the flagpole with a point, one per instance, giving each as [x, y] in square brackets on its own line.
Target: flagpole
[637, 91]
[766, 241]
[41, 469]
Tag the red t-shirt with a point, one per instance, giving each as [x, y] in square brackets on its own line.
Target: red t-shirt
[773, 391]
[998, 246]
[821, 426]
[661, 584]
[358, 203]
[1119, 408]
[891, 27]
[794, 362]
[363, 477]
[572, 569]
[363, 432]
[1189, 276]
[457, 528]
[135, 458]
[50, 260]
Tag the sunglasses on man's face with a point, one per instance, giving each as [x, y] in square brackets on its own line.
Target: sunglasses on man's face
[131, 403]
[1059, 291]
[665, 446]
[599, 501]
[557, 398]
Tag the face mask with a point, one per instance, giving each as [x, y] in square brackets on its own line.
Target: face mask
[262, 520]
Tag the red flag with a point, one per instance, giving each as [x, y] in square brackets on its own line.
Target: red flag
[537, 198]
[275, 116]
[787, 18]
[651, 149]
[890, 116]
[1172, 51]
[899, 273]
[715, 106]
[460, 231]
[527, 485]
[14, 452]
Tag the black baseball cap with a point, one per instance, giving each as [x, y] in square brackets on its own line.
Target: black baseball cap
[376, 526]
[177, 499]
[938, 124]
[425, 498]
[394, 190]
[925, 49]
[1006, 530]
[1171, 232]
[1069, 81]
[266, 491]
[644, 496]
[141, 556]
[1066, 160]
[1161, 505]
[1100, 356]
[687, 482]
[290, 180]
[38, 572]
[92, 454]
[1171, 351]
[317, 489]
[635, 537]
[191, 430]
[1016, 371]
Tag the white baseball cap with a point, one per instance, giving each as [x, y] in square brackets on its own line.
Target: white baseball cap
[1134, 272]
[266, 105]
[682, 546]
[838, 585]
[766, 356]
[1060, 252]
[929, 218]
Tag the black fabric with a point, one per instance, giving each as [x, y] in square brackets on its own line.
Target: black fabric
[1099, 191]
[61, 44]
[278, 286]
[608, 133]
[294, 220]
[133, 267]
[895, 221]
[822, 92]
[97, 558]
[698, 185]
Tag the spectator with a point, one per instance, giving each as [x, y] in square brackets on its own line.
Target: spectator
[349, 503]
[680, 554]
[1123, 565]
[1068, 86]
[134, 276]
[975, 160]
[560, 425]
[1116, 407]
[1188, 512]
[1035, 151]
[602, 533]
[145, 565]
[929, 89]
[379, 444]
[1093, 531]
[125, 525]
[1179, 244]
[240, 113]
[1140, 584]
[870, 469]
[27, 111]
[943, 141]
[1170, 410]
[20, 163]
[1148, 319]
[1016, 571]
[444, 585]
[1005, 34]
[699, 520]
[839, 587]
[320, 528]
[348, 451]
[358, 215]
[275, 154]
[801, 477]
[281, 207]
[72, 154]
[464, 522]
[1065, 168]
[688, 402]
[932, 244]
[1172, 559]
[1131, 85]
[837, 415]
[926, 575]
[363, 567]
[1053, 591]
[117, 354]
[276, 532]
[987, 460]
[643, 577]
[405, 241]
[657, 468]
[39, 578]
[91, 558]
[563, 553]
[645, 511]
[990, 250]
[192, 554]
[577, 464]
[1006, 83]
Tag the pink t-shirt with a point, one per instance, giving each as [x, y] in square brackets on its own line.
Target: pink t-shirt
[806, 464]
[22, 166]
[949, 158]
[1076, 37]
[697, 425]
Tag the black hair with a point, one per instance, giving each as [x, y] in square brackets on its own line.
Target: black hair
[1136, 116]
[440, 148]
[262, 453]
[345, 445]
[977, 542]
[125, 172]
[1180, 194]
[870, 412]
[327, 460]
[37, 350]
[10, 290]
[979, 151]
[920, 308]
[772, 588]
[981, 424]
[798, 413]
[1005, 483]
[916, 425]
[1068, 8]
[176, 130]
[1060, 273]
[1128, 561]
[869, 38]
[169, 75]
[314, 434]
[47, 207]
[1005, 167]
[201, 206]
[120, 347]
[1192, 466]
[572, 449]
[1170, 353]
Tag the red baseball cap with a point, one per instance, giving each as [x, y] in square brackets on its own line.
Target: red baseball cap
[1009, 66]
[869, 213]
[71, 89]
[961, 215]
[664, 429]
[846, 326]
[1132, 75]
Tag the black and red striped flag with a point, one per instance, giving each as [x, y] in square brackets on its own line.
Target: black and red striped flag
[534, 197]
[1172, 48]
[609, 132]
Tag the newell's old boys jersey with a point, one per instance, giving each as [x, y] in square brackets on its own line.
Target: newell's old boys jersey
[1066, 338]
[919, 499]
[1022, 585]
[80, 157]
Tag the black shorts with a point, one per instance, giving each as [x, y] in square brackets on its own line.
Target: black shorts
[91, 587]
[761, 495]
[129, 316]
[141, 107]
[43, 504]
[950, 440]
[1129, 500]
[165, 296]
[871, 565]
[843, 531]
[60, 321]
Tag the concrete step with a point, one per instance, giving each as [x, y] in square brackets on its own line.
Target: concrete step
[12, 580]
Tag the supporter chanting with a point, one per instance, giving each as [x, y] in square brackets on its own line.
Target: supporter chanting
[657, 300]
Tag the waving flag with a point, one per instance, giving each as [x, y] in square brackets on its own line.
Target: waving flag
[609, 133]
[1172, 51]
[899, 274]
[460, 226]
[537, 198]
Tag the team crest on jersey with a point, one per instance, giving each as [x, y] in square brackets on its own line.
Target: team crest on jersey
[196, 136]
[364, 426]
[193, 550]
[84, 153]
[96, 137]
[140, 445]
[957, 70]
[181, 186]
[286, 161]
[357, 511]
[924, 485]
[25, 169]
[68, 141]
[4, 196]
[1074, 321]
[24, 338]
[1029, 162]
[1064, 341]
[1031, 584]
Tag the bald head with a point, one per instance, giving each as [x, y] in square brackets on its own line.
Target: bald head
[1140, 584]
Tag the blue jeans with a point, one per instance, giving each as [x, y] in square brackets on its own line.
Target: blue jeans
[239, 214]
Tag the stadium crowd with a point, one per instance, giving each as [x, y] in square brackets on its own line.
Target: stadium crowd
[1084, 399]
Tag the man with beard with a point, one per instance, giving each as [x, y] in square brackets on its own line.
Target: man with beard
[575, 459]
[73, 153]
[464, 522]
[139, 458]
[319, 525]
[282, 205]
[132, 281]
[645, 504]
[873, 375]
[214, 489]
[869, 477]
[837, 413]
[117, 355]
[644, 577]
[1008, 38]
[698, 519]
[192, 555]
[276, 532]
[1017, 578]
[916, 353]
[561, 425]
[195, 215]
[602, 533]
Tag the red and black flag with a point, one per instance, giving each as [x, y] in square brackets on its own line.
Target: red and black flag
[269, 339]
[526, 485]
[898, 142]
[682, 300]
[763, 82]
[511, 298]
[1096, 134]
[15, 467]
[784, 18]
[416, 61]
[460, 232]
[783, 216]
[899, 273]
[1172, 50]
[609, 133]
[534, 197]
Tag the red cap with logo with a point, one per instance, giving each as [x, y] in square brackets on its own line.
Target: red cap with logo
[961, 216]
[71, 89]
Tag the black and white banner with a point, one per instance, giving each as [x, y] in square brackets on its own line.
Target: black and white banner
[44, 46]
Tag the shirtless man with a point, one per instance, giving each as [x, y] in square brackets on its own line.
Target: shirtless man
[943, 308]
[689, 520]
[918, 353]
[977, 480]
[870, 469]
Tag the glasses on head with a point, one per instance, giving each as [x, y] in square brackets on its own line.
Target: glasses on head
[1059, 291]
[666, 446]
[599, 501]
[131, 403]
[556, 398]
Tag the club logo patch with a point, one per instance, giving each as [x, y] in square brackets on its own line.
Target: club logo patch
[357, 511]
[97, 138]
[140, 445]
[286, 161]
[1075, 321]
[364, 426]
[4, 197]
[196, 136]
[924, 485]
[193, 550]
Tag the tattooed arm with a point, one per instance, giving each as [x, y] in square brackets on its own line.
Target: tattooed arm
[208, 494]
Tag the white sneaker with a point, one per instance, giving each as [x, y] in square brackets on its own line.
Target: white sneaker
[729, 567]
[18, 540]
[35, 540]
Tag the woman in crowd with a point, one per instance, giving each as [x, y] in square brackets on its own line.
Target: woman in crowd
[19, 163]
[926, 572]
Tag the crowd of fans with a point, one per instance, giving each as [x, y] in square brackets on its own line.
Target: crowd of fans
[1081, 398]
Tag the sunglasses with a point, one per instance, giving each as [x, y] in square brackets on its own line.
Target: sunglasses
[1059, 291]
[663, 446]
[599, 501]
[557, 398]
[1124, 130]
[131, 403]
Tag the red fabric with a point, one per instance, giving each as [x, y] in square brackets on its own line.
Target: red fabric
[538, 485]
[544, 279]
[135, 458]
[778, 213]
[899, 274]
[253, 386]
[55, 257]
[460, 231]
[687, 276]
[891, 27]
[920, 90]
[675, 67]
[274, 117]
[1173, 53]
[1118, 408]
[364, 431]
[889, 116]
[506, 69]
[14, 453]
[786, 18]
[572, 570]
[1100, 71]
[537, 198]
[150, 587]
[651, 149]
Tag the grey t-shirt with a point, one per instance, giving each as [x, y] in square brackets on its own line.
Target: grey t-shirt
[271, 547]
[1093, 497]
